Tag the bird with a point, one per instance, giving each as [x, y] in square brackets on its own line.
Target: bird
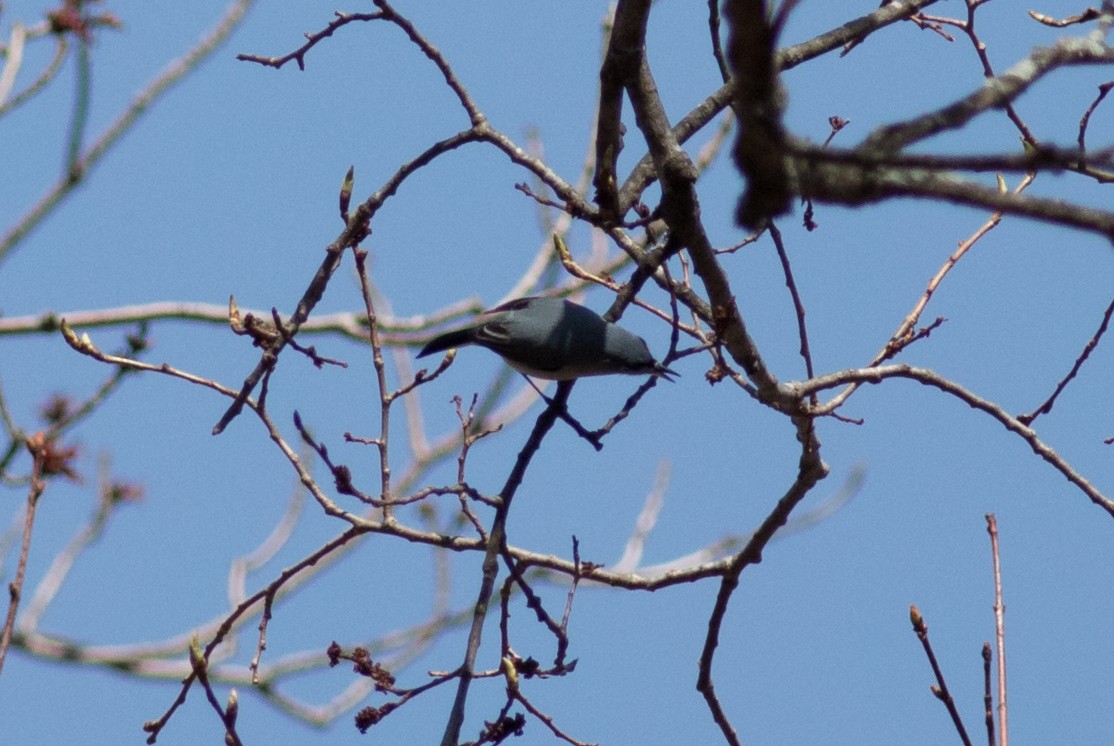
[554, 339]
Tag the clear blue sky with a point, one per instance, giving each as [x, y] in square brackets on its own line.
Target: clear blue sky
[229, 186]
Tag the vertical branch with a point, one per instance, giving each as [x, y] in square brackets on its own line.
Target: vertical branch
[810, 471]
[496, 544]
[798, 306]
[626, 45]
[385, 398]
[39, 446]
[84, 83]
[999, 630]
[717, 45]
[680, 209]
[987, 699]
[760, 142]
[704, 683]
[940, 689]
[1086, 118]
[988, 70]
[60, 566]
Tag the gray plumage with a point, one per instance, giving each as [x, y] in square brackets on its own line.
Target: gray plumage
[555, 339]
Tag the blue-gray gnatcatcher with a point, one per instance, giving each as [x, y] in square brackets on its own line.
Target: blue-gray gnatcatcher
[555, 339]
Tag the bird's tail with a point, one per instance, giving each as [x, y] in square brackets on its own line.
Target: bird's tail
[457, 338]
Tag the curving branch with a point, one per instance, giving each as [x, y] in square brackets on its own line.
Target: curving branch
[935, 380]
[643, 174]
[81, 165]
[676, 243]
[994, 93]
[860, 184]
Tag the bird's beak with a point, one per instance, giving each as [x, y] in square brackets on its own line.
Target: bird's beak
[660, 371]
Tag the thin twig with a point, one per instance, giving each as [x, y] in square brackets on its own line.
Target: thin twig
[61, 47]
[154, 727]
[60, 566]
[987, 699]
[988, 72]
[384, 396]
[140, 104]
[935, 380]
[83, 80]
[39, 447]
[547, 720]
[940, 689]
[1086, 119]
[13, 61]
[995, 92]
[810, 471]
[1088, 348]
[906, 332]
[299, 54]
[999, 630]
[1089, 14]
[644, 173]
[496, 545]
[795, 295]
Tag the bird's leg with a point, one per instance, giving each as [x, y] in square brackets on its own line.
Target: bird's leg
[563, 413]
